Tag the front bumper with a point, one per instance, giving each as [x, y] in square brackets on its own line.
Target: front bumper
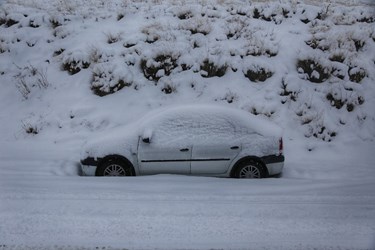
[89, 166]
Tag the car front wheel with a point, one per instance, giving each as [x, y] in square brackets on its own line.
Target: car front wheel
[249, 170]
[114, 168]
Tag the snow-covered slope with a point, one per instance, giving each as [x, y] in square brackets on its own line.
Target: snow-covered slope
[310, 68]
[70, 69]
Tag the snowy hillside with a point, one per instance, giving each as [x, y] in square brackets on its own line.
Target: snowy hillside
[81, 66]
[70, 69]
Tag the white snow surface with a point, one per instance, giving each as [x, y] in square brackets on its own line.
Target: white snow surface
[318, 63]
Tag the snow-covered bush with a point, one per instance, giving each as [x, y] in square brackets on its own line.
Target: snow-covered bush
[290, 89]
[110, 78]
[162, 65]
[258, 74]
[11, 19]
[312, 70]
[197, 24]
[113, 38]
[74, 61]
[340, 96]
[356, 74]
[210, 69]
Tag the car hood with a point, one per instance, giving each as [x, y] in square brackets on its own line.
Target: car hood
[117, 141]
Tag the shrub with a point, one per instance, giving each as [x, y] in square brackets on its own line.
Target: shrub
[314, 71]
[185, 15]
[356, 74]
[258, 74]
[339, 101]
[73, 67]
[58, 52]
[209, 69]
[113, 38]
[108, 79]
[156, 68]
[30, 129]
[288, 93]
[337, 58]
[169, 89]
[55, 22]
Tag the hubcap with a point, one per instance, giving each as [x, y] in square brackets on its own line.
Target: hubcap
[249, 172]
[114, 170]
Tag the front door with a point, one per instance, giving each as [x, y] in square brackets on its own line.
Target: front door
[156, 158]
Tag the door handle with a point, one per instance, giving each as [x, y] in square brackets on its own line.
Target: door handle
[235, 147]
[184, 149]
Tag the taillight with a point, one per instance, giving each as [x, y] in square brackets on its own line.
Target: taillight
[280, 146]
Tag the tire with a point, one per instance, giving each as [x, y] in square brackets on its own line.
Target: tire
[114, 167]
[250, 169]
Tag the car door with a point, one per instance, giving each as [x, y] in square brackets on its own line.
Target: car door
[165, 150]
[213, 158]
[166, 158]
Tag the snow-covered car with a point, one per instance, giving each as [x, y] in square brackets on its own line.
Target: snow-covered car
[190, 140]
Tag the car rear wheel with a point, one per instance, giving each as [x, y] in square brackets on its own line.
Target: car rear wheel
[114, 168]
[250, 170]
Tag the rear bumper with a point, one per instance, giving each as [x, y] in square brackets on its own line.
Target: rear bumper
[274, 163]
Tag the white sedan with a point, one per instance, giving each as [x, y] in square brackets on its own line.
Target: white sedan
[190, 140]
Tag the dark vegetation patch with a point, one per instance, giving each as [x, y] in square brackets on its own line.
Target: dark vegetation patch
[255, 111]
[102, 90]
[321, 132]
[337, 58]
[120, 16]
[366, 19]
[162, 62]
[356, 74]
[315, 72]
[73, 67]
[104, 83]
[33, 24]
[338, 102]
[316, 43]
[199, 30]
[258, 14]
[286, 93]
[258, 75]
[168, 89]
[129, 45]
[185, 15]
[30, 129]
[58, 52]
[9, 22]
[112, 38]
[54, 23]
[359, 44]
[210, 69]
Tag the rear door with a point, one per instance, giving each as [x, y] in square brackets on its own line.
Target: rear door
[213, 158]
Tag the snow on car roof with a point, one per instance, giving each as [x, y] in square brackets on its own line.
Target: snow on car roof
[213, 113]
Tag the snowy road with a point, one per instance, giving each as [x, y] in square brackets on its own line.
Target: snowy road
[44, 203]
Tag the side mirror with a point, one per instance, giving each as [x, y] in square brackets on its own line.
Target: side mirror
[146, 136]
[146, 140]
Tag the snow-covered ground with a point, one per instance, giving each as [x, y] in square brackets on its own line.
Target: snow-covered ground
[322, 201]
[71, 69]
